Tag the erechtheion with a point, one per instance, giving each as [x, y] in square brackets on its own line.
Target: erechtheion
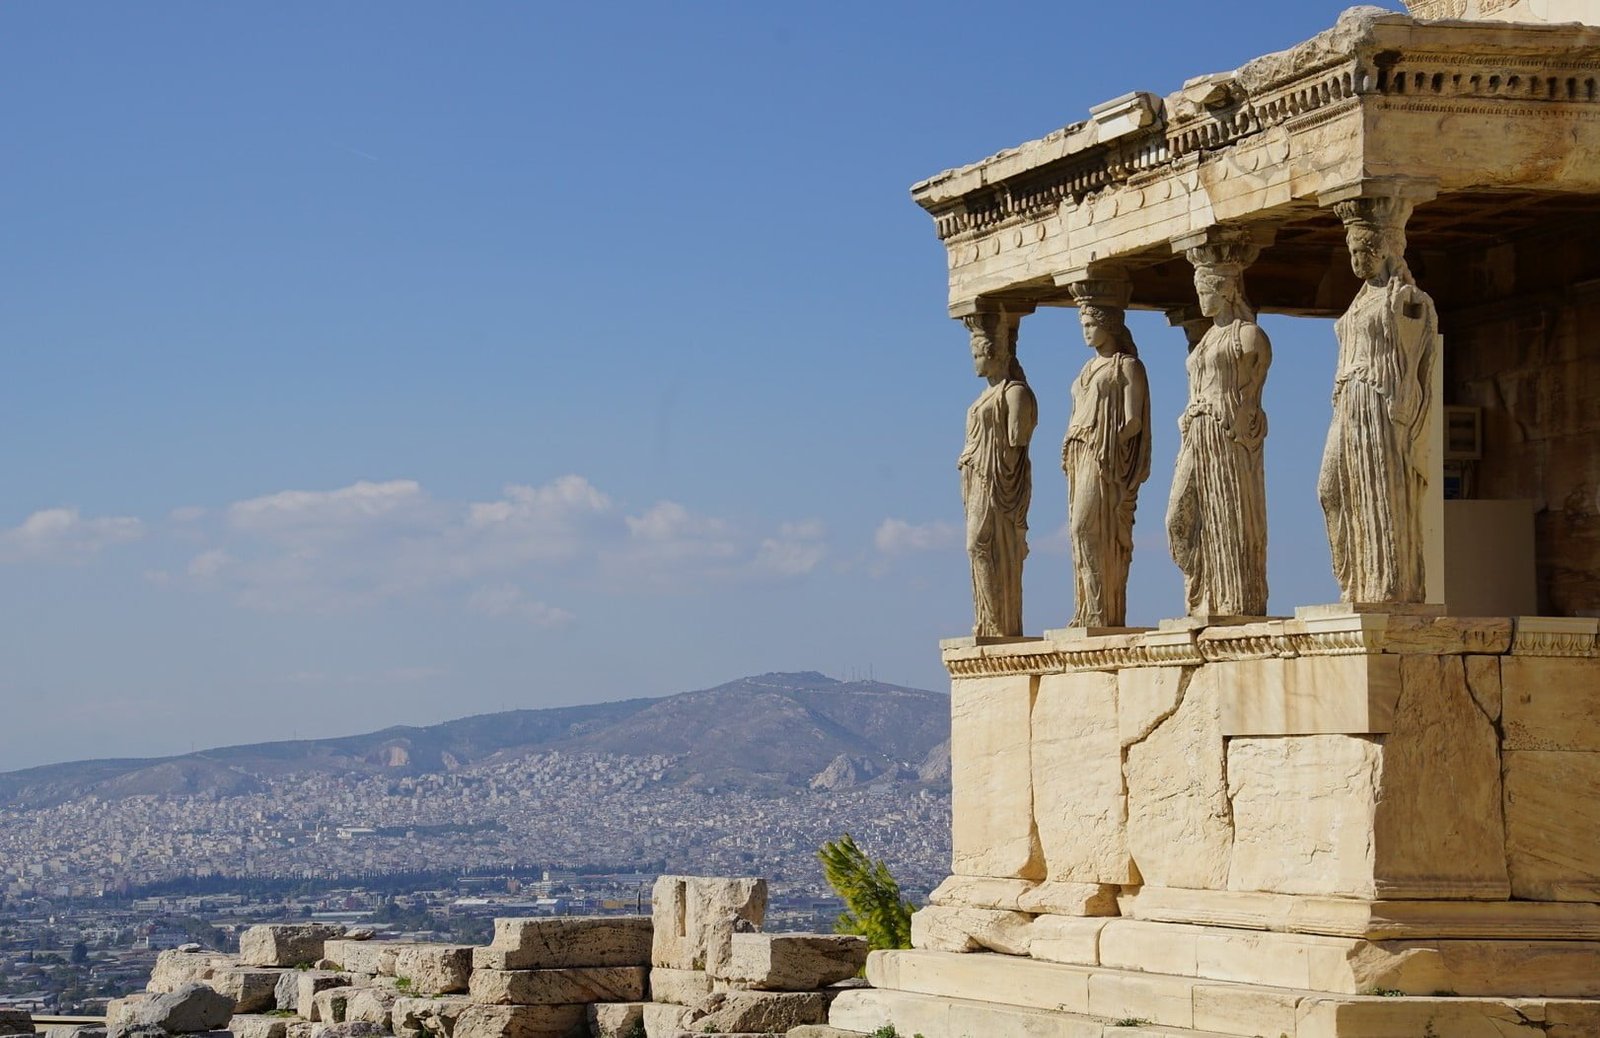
[1379, 817]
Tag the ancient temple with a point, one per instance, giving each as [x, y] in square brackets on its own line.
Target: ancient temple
[1379, 817]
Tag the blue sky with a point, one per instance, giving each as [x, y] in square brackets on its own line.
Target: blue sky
[386, 362]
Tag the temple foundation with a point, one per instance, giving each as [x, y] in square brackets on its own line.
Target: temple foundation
[1347, 823]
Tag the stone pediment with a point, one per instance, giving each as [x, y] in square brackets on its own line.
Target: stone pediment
[1510, 10]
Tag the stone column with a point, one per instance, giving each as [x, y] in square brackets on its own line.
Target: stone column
[996, 476]
[1217, 515]
[1379, 469]
[1106, 451]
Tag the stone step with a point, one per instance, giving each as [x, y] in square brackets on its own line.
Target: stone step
[1058, 1001]
[1336, 965]
[866, 1010]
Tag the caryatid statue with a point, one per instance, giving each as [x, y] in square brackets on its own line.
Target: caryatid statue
[1375, 466]
[1106, 456]
[996, 480]
[1217, 516]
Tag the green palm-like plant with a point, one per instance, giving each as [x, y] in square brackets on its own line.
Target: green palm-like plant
[873, 906]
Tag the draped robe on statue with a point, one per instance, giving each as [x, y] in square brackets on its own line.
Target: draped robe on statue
[996, 488]
[1104, 471]
[1373, 469]
[1217, 520]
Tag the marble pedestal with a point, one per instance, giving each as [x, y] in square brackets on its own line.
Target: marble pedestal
[1349, 823]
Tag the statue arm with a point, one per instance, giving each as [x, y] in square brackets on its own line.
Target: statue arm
[1135, 391]
[1250, 423]
[1022, 414]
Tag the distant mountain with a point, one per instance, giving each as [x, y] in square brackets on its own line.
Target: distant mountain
[770, 732]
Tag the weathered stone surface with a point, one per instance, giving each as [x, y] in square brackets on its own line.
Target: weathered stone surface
[684, 987]
[616, 1019]
[349, 1004]
[284, 944]
[664, 1020]
[981, 892]
[580, 985]
[1552, 808]
[1446, 635]
[1551, 703]
[253, 990]
[762, 1011]
[1383, 1017]
[1302, 813]
[1439, 826]
[1070, 899]
[119, 1013]
[1079, 801]
[991, 780]
[190, 1009]
[794, 961]
[457, 1017]
[1483, 681]
[73, 1031]
[306, 985]
[348, 1029]
[1307, 695]
[1061, 938]
[373, 958]
[970, 929]
[986, 977]
[1146, 696]
[18, 1021]
[1180, 830]
[174, 969]
[251, 1025]
[555, 942]
[695, 917]
[434, 969]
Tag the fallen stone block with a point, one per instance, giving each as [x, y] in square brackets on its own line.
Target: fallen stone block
[616, 1019]
[356, 1029]
[456, 1017]
[75, 1031]
[821, 1031]
[762, 1011]
[664, 1020]
[119, 1013]
[285, 944]
[374, 958]
[559, 987]
[252, 989]
[695, 918]
[306, 984]
[433, 969]
[191, 1009]
[340, 1005]
[794, 961]
[683, 987]
[254, 1025]
[559, 942]
[297, 1028]
[174, 969]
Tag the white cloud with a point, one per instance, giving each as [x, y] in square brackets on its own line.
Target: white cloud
[797, 550]
[64, 535]
[333, 513]
[898, 537]
[353, 547]
[509, 600]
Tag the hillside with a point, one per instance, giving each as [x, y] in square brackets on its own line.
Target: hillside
[768, 732]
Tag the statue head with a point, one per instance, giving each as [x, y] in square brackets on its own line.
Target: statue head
[1375, 233]
[994, 344]
[1219, 277]
[1106, 329]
